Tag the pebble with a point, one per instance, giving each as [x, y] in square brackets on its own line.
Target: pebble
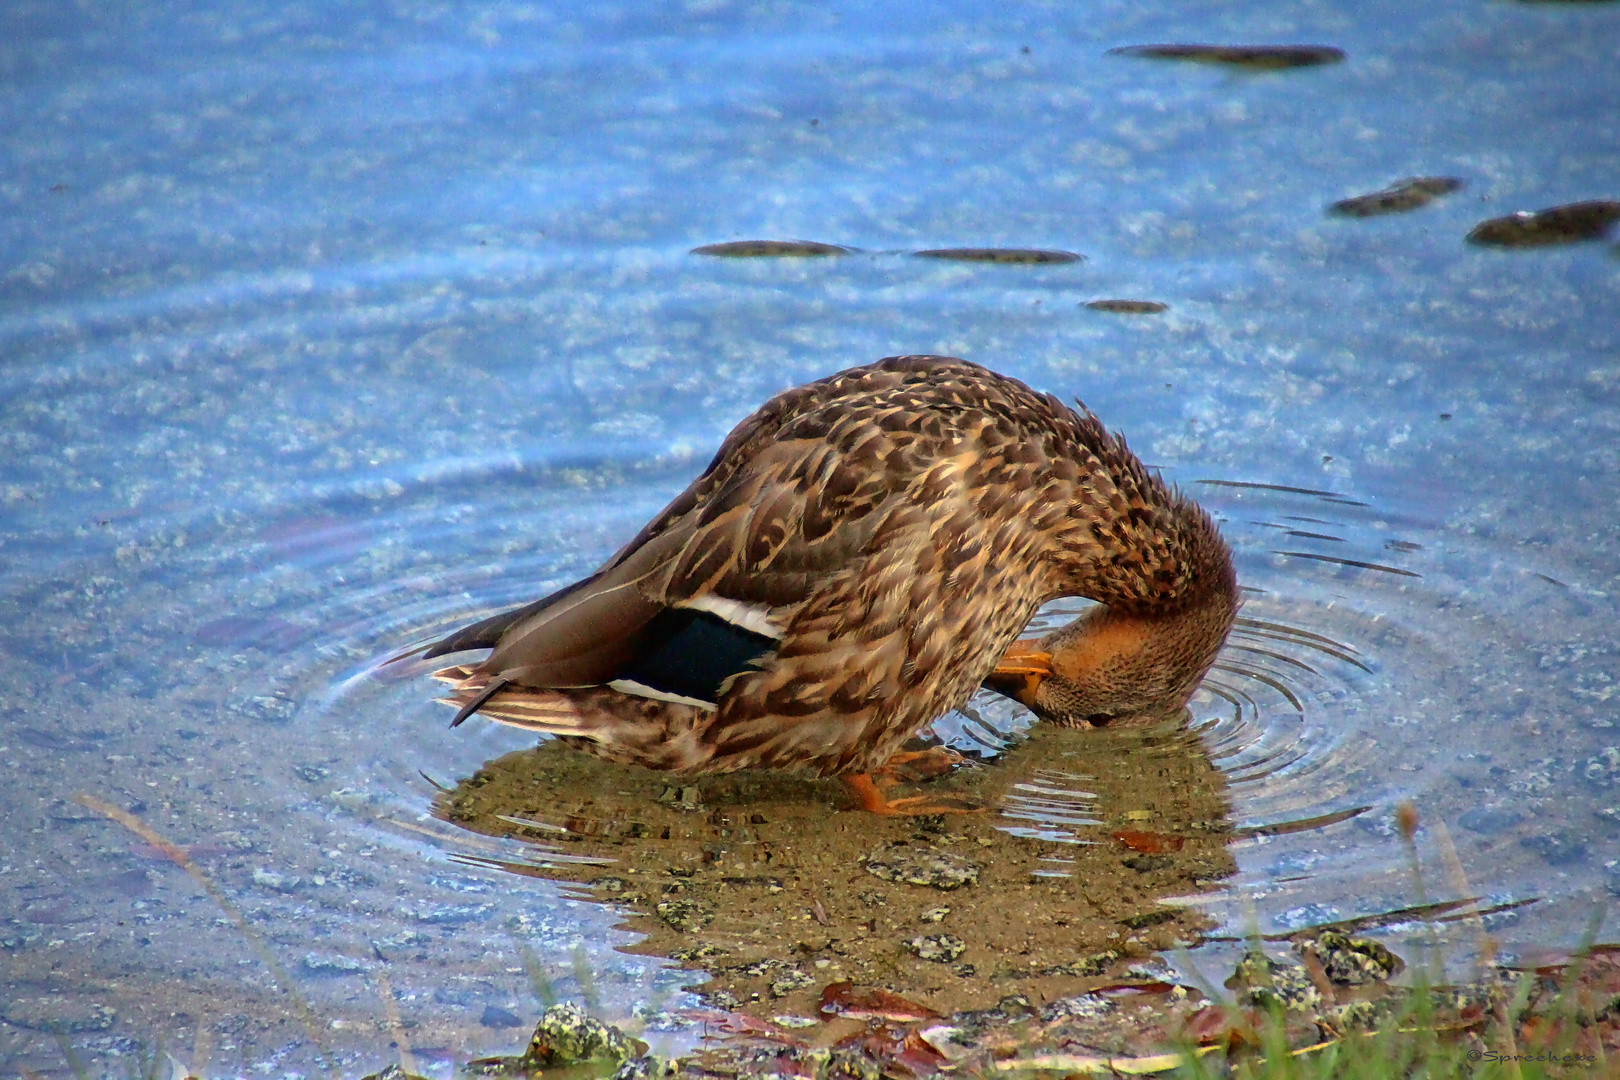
[922, 866]
[940, 948]
[685, 915]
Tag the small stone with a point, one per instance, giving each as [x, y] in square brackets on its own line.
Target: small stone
[393, 1072]
[934, 914]
[499, 1018]
[922, 866]
[1353, 961]
[789, 980]
[1604, 769]
[1144, 919]
[1488, 821]
[685, 915]
[1558, 848]
[1083, 1007]
[66, 1015]
[566, 1036]
[316, 964]
[682, 798]
[1267, 982]
[940, 948]
[1086, 967]
[275, 708]
[1143, 864]
[273, 879]
[647, 1067]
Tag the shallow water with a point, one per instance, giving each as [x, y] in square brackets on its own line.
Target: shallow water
[322, 332]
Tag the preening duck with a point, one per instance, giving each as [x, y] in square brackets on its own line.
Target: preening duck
[859, 557]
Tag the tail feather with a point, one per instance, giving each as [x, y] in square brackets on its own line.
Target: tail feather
[551, 711]
[619, 727]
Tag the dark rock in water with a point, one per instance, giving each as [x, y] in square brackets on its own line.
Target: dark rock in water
[1128, 307]
[1258, 57]
[566, 1036]
[1489, 820]
[768, 249]
[1565, 224]
[59, 1014]
[495, 1017]
[1143, 864]
[1558, 848]
[1399, 197]
[1001, 255]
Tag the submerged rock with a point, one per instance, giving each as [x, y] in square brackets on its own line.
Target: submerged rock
[1352, 961]
[393, 1072]
[771, 249]
[1128, 307]
[1567, 224]
[1260, 57]
[1001, 255]
[1399, 197]
[686, 915]
[922, 866]
[565, 1035]
[940, 948]
[1265, 981]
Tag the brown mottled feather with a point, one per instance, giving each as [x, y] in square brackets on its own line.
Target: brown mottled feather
[898, 524]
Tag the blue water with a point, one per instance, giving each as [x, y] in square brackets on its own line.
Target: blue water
[326, 328]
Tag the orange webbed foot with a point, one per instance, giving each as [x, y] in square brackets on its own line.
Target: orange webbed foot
[913, 765]
[872, 799]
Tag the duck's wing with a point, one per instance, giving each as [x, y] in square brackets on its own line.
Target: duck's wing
[710, 595]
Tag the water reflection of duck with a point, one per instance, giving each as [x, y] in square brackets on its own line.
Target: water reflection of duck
[856, 559]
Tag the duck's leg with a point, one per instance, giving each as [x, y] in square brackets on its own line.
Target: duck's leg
[920, 764]
[871, 798]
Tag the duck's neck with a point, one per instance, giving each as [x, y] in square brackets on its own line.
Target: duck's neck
[1167, 596]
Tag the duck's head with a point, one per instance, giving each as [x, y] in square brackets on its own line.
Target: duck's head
[1109, 665]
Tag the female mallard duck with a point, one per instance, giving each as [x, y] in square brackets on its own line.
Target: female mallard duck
[856, 559]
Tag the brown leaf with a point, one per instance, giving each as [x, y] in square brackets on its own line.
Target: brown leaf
[842, 999]
[1150, 843]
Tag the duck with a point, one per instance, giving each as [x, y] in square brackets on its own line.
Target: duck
[861, 556]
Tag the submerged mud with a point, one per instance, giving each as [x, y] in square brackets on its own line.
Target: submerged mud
[777, 890]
